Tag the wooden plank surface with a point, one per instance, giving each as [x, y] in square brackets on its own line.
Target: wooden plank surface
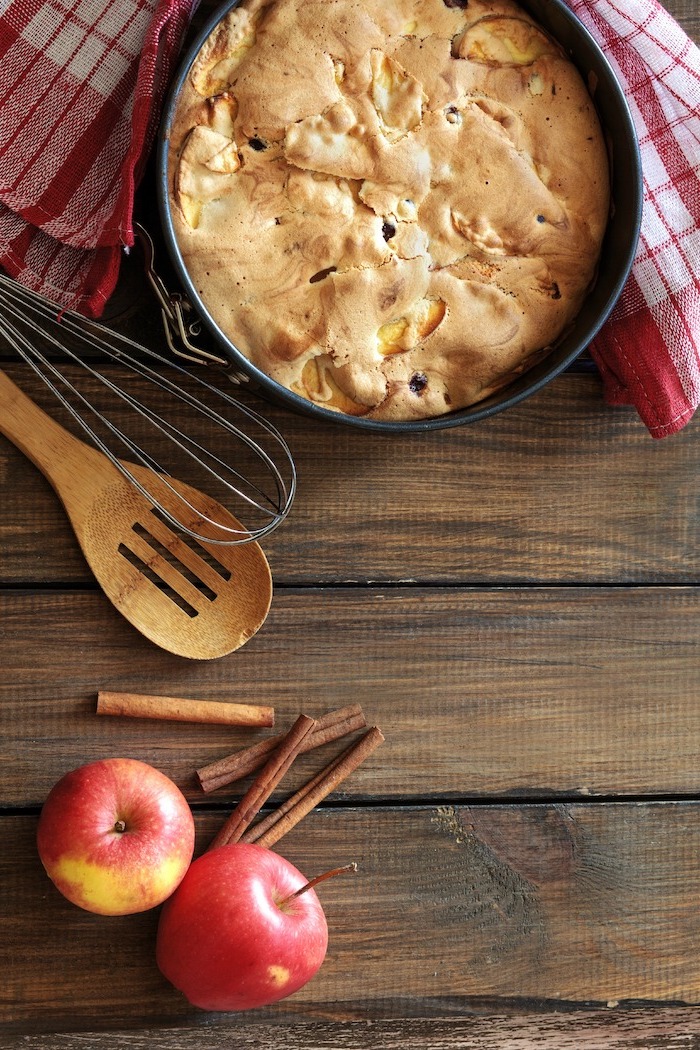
[583, 903]
[480, 692]
[560, 489]
[610, 1029]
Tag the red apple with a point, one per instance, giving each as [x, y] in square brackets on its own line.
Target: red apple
[233, 936]
[116, 836]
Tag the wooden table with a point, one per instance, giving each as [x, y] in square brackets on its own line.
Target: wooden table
[516, 604]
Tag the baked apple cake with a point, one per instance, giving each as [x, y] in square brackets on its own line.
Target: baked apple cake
[391, 207]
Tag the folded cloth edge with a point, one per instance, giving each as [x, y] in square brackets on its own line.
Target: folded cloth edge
[83, 276]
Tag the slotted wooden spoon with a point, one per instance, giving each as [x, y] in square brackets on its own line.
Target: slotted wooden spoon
[195, 599]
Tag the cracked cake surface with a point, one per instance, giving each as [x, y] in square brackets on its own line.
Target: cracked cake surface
[391, 208]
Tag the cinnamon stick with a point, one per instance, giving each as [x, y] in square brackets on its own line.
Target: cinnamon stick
[331, 726]
[272, 828]
[176, 709]
[258, 830]
[265, 783]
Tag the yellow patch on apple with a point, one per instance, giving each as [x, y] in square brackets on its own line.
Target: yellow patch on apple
[279, 975]
[110, 892]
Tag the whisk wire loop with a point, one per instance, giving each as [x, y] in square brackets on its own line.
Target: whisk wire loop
[27, 318]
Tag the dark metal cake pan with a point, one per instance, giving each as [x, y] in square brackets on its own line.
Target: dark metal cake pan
[616, 257]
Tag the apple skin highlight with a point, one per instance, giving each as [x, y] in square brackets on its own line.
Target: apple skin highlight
[224, 940]
[116, 836]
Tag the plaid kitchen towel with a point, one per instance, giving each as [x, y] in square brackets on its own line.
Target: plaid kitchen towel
[648, 353]
[80, 87]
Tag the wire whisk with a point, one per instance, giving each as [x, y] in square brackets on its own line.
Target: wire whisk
[217, 443]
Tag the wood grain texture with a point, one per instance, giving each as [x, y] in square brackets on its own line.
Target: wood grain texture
[610, 1029]
[559, 489]
[585, 903]
[687, 14]
[479, 693]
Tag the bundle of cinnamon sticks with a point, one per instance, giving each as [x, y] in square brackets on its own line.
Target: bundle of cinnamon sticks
[272, 757]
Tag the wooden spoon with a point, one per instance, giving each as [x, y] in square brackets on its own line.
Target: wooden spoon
[197, 600]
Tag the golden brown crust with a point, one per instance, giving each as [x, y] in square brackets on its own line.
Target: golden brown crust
[391, 209]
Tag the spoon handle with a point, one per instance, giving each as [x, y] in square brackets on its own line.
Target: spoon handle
[60, 456]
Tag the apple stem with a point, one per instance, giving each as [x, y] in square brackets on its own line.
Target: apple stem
[120, 825]
[319, 878]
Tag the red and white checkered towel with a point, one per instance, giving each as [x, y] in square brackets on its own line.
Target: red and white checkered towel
[80, 86]
[648, 353]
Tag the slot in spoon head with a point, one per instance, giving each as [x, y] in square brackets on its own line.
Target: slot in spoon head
[195, 599]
